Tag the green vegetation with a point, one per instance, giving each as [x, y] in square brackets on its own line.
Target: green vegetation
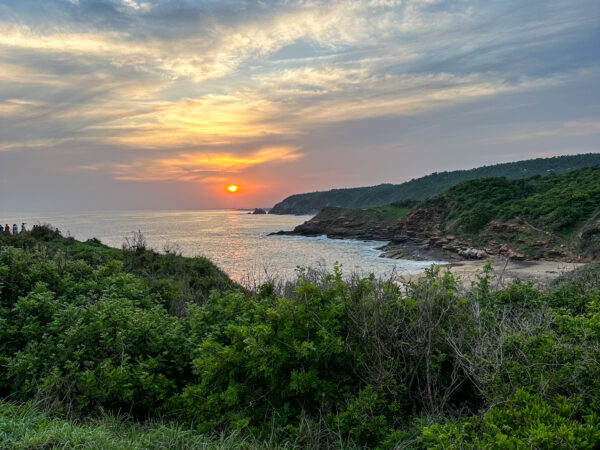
[524, 421]
[566, 206]
[172, 278]
[557, 202]
[433, 184]
[554, 216]
[96, 352]
[27, 427]
[586, 277]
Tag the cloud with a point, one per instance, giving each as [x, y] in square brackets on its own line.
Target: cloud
[137, 6]
[373, 95]
[195, 166]
[209, 120]
[32, 143]
[213, 180]
[211, 51]
[159, 90]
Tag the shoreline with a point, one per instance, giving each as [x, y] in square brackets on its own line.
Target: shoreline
[506, 271]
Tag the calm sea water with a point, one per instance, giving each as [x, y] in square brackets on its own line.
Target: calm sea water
[236, 241]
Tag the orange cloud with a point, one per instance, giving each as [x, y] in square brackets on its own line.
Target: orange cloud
[211, 119]
[194, 166]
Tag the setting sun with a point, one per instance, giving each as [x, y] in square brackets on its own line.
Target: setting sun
[233, 188]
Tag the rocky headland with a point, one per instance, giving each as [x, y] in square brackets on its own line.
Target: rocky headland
[464, 224]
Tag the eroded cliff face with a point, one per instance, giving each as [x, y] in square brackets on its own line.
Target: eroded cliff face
[516, 239]
[424, 233]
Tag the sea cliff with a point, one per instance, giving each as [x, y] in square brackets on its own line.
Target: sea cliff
[556, 217]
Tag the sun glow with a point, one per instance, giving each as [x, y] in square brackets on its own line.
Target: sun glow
[233, 188]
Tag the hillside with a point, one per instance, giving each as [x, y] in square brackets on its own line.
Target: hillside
[94, 354]
[170, 277]
[427, 186]
[552, 217]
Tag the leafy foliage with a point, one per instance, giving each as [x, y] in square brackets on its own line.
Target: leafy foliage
[325, 362]
[173, 278]
[559, 203]
[525, 421]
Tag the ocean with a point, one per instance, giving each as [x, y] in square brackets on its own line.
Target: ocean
[236, 241]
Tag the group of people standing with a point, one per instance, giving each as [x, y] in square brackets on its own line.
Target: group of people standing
[15, 229]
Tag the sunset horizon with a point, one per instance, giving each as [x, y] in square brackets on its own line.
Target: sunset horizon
[125, 104]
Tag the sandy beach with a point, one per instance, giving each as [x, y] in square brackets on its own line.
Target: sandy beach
[506, 271]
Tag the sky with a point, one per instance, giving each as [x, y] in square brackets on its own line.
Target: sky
[130, 104]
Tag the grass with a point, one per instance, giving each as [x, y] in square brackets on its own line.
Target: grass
[27, 427]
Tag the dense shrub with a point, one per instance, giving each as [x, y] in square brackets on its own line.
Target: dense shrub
[557, 203]
[86, 337]
[524, 421]
[85, 329]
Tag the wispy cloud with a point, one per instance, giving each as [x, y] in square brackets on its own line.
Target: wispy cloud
[196, 166]
[157, 90]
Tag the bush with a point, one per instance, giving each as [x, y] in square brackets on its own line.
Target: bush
[86, 329]
[556, 203]
[524, 421]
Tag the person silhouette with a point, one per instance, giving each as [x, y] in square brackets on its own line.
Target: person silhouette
[23, 227]
[7, 230]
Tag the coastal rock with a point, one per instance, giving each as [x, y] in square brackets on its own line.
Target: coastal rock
[505, 228]
[346, 223]
[259, 211]
[472, 253]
